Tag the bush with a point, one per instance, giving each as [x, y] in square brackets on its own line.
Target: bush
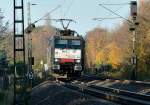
[143, 75]
[21, 69]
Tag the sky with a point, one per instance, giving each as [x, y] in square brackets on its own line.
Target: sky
[82, 11]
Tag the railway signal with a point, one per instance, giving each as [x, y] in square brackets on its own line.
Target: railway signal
[133, 29]
[133, 9]
[30, 28]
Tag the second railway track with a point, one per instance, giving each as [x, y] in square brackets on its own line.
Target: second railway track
[122, 97]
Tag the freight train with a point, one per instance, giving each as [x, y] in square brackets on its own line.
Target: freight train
[66, 53]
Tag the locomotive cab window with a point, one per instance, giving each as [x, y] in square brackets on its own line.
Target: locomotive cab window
[61, 43]
[75, 44]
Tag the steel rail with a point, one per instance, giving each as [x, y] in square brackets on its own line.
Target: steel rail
[125, 98]
[143, 83]
[122, 92]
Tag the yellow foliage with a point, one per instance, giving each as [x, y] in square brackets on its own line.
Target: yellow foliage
[115, 56]
[99, 58]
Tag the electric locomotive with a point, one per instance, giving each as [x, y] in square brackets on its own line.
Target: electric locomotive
[66, 53]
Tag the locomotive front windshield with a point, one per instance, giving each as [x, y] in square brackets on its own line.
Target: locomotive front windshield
[71, 44]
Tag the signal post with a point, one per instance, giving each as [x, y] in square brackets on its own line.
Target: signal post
[133, 29]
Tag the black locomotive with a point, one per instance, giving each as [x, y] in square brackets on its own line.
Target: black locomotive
[66, 53]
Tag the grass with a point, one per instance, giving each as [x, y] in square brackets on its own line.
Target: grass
[2, 98]
[6, 96]
[113, 74]
[126, 74]
[144, 75]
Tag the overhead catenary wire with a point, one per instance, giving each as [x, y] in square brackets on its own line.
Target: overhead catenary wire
[114, 13]
[116, 4]
[106, 18]
[62, 21]
[69, 7]
[46, 14]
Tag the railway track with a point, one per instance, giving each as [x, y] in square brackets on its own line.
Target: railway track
[115, 95]
[88, 86]
[141, 87]
[54, 93]
[115, 79]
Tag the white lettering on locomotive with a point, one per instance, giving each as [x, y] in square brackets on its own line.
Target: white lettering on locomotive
[68, 53]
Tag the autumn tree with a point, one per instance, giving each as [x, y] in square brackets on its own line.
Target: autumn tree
[116, 47]
[95, 42]
[114, 55]
[143, 33]
[40, 38]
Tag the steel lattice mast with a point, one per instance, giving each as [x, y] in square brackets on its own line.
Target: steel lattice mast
[19, 50]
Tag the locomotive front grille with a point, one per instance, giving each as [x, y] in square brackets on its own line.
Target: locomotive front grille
[67, 67]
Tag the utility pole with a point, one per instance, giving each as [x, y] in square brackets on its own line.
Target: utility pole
[29, 40]
[30, 58]
[29, 14]
[133, 29]
[19, 52]
[29, 45]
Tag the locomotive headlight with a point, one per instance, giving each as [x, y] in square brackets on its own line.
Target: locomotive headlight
[56, 59]
[78, 60]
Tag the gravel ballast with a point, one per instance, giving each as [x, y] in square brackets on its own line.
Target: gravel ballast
[50, 93]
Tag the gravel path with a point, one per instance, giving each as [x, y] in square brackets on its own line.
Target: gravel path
[50, 93]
